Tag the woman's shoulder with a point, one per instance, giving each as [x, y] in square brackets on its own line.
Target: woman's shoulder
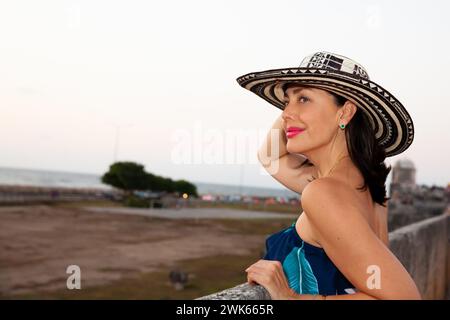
[326, 196]
[326, 186]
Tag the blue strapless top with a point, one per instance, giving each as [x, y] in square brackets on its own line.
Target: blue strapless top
[308, 269]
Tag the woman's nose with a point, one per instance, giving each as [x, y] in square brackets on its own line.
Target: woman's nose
[286, 114]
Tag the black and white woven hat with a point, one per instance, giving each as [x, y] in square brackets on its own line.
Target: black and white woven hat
[393, 126]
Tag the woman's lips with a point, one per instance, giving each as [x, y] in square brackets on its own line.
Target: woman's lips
[293, 133]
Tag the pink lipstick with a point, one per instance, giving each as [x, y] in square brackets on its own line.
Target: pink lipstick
[293, 131]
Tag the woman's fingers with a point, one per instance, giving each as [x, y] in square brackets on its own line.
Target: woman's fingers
[251, 278]
[265, 272]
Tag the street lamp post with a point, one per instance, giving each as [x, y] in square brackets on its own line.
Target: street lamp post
[117, 138]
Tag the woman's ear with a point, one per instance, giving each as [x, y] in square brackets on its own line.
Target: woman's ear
[348, 111]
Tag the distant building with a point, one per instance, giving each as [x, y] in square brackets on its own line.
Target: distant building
[404, 173]
[411, 202]
[403, 181]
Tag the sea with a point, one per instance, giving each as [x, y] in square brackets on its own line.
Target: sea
[33, 177]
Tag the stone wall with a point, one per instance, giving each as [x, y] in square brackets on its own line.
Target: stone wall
[422, 247]
[401, 215]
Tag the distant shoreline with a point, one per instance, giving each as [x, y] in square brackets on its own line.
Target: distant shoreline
[23, 194]
[60, 179]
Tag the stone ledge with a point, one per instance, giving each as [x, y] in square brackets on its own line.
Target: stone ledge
[243, 291]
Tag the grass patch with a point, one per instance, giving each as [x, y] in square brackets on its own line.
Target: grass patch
[206, 275]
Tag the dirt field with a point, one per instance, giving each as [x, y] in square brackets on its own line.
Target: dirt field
[38, 243]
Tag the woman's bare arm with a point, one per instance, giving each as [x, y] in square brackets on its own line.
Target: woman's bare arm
[294, 171]
[382, 215]
[353, 247]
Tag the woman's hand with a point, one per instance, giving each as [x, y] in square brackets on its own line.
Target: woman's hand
[290, 169]
[270, 275]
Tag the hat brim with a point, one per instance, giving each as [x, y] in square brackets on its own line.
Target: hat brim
[393, 126]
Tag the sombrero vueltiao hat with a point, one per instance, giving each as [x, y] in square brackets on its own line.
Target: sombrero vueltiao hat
[393, 126]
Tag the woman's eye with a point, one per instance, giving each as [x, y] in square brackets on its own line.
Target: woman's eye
[304, 99]
[300, 99]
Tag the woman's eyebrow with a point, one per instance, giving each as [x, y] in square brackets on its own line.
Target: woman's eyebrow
[294, 92]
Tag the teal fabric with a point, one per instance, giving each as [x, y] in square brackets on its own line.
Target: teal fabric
[299, 273]
[308, 269]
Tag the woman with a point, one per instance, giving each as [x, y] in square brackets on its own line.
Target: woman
[335, 131]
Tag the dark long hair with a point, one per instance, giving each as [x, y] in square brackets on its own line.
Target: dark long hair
[365, 152]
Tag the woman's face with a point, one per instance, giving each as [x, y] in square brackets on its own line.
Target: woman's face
[313, 110]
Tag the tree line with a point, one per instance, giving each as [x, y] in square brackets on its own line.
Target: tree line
[131, 176]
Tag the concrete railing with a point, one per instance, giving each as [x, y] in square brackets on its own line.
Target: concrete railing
[422, 247]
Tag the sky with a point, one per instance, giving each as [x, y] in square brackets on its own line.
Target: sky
[87, 83]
